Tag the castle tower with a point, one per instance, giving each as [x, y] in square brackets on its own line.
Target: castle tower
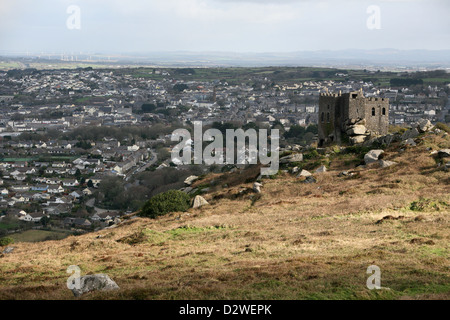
[351, 115]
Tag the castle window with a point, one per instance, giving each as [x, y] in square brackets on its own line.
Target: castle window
[384, 111]
[328, 117]
[373, 111]
[354, 95]
[322, 117]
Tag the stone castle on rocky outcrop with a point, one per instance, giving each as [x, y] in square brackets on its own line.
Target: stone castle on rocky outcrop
[352, 117]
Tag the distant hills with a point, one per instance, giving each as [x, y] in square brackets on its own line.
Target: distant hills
[387, 59]
[326, 58]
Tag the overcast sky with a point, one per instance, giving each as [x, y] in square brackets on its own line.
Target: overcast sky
[222, 25]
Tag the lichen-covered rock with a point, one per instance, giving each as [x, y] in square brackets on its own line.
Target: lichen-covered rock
[444, 153]
[304, 173]
[189, 180]
[386, 163]
[424, 125]
[372, 156]
[257, 187]
[95, 282]
[352, 122]
[198, 202]
[357, 139]
[296, 157]
[409, 142]
[8, 250]
[310, 179]
[356, 130]
[410, 134]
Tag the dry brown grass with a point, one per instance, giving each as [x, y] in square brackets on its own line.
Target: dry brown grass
[298, 241]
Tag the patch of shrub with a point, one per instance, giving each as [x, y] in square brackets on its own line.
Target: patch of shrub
[313, 154]
[360, 151]
[428, 204]
[133, 239]
[443, 126]
[163, 203]
[240, 177]
[255, 198]
[397, 129]
[6, 241]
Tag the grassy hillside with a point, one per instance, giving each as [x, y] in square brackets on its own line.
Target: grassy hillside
[296, 241]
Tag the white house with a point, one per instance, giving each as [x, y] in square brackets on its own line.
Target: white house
[104, 216]
[95, 217]
[53, 181]
[133, 148]
[32, 217]
[55, 189]
[70, 183]
[75, 194]
[87, 192]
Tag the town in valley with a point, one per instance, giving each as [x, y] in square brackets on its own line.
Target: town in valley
[82, 146]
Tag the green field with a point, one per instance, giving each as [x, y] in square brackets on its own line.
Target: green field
[8, 226]
[436, 80]
[287, 75]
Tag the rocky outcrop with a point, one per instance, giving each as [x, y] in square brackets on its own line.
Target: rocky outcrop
[296, 157]
[356, 130]
[409, 142]
[355, 122]
[321, 169]
[310, 179]
[357, 139]
[410, 134]
[304, 173]
[444, 153]
[198, 202]
[189, 180]
[386, 163]
[257, 187]
[424, 125]
[8, 250]
[187, 189]
[372, 156]
[95, 282]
